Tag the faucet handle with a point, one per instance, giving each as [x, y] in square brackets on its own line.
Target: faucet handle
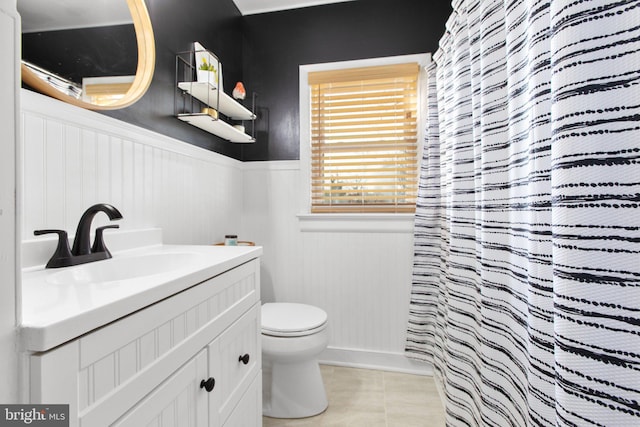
[62, 250]
[98, 243]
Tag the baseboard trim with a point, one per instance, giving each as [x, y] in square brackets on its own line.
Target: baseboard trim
[383, 361]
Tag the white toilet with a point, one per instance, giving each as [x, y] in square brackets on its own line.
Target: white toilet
[293, 335]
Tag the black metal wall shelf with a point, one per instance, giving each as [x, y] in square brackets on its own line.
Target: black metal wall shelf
[199, 97]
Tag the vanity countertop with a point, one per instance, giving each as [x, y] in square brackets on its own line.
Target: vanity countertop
[61, 304]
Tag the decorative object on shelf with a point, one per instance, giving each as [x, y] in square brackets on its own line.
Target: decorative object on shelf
[210, 111]
[207, 63]
[239, 92]
[207, 73]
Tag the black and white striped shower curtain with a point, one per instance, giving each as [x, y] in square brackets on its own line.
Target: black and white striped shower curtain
[526, 284]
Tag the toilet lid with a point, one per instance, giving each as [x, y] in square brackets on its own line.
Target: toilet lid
[291, 319]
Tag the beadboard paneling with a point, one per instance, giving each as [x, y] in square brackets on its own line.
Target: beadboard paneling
[73, 158]
[362, 279]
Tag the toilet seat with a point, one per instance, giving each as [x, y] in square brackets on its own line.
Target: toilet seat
[292, 319]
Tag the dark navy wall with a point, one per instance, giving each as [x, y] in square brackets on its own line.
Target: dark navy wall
[276, 44]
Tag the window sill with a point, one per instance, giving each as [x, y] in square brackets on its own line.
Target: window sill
[356, 223]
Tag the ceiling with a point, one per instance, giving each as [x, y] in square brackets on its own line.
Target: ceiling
[251, 7]
[39, 15]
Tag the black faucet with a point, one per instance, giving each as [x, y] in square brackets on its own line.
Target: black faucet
[82, 242]
[82, 251]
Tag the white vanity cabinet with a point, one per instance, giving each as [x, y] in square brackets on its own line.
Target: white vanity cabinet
[153, 367]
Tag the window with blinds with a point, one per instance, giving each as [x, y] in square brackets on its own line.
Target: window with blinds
[364, 139]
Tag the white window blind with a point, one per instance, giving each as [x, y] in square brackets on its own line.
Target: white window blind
[364, 139]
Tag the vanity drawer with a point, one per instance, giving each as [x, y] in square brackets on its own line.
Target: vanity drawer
[228, 353]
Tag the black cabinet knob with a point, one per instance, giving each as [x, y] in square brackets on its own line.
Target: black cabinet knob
[208, 384]
[244, 359]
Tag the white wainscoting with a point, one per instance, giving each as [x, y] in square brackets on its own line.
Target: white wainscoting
[73, 158]
[359, 276]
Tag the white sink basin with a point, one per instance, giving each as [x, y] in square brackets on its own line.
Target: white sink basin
[124, 268]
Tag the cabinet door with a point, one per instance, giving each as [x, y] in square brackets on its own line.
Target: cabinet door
[177, 402]
[248, 412]
[234, 360]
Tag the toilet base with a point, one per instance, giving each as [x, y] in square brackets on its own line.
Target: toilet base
[293, 390]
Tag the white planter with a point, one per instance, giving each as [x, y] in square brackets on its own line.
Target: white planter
[205, 76]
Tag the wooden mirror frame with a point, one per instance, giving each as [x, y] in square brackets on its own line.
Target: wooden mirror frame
[144, 71]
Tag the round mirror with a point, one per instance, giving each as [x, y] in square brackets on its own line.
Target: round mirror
[96, 92]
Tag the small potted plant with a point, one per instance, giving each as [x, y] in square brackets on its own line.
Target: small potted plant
[207, 72]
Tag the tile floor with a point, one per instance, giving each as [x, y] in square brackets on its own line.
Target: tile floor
[368, 398]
